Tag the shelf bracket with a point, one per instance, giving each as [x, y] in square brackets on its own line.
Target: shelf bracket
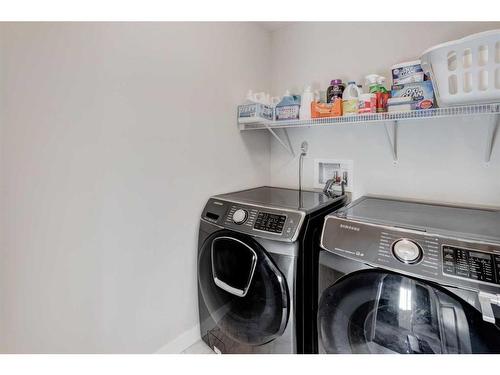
[288, 145]
[490, 141]
[391, 131]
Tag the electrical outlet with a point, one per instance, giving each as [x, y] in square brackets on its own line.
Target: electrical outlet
[325, 169]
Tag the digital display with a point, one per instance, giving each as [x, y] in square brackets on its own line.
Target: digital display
[270, 222]
[479, 255]
[469, 264]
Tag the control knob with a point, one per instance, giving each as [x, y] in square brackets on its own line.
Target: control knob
[407, 251]
[240, 216]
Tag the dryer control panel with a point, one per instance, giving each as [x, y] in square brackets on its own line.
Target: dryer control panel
[265, 222]
[471, 264]
[448, 261]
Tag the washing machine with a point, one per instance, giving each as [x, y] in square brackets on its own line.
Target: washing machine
[253, 263]
[400, 276]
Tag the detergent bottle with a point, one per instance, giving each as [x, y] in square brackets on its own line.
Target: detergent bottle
[350, 99]
[305, 104]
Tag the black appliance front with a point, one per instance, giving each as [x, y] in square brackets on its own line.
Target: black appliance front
[243, 297]
[376, 311]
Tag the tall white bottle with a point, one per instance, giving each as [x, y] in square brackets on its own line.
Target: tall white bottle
[305, 104]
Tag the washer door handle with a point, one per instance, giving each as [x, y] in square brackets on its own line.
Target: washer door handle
[228, 288]
[486, 301]
[239, 292]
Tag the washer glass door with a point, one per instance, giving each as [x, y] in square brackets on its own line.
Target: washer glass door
[245, 294]
[381, 312]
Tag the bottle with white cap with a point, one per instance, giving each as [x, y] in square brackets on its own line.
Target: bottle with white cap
[250, 98]
[382, 95]
[350, 99]
[305, 103]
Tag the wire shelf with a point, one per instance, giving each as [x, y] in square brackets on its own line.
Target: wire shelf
[476, 109]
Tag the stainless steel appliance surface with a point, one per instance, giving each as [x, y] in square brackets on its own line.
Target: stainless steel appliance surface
[253, 262]
[401, 276]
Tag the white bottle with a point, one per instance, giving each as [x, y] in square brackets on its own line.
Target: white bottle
[371, 81]
[305, 104]
[260, 97]
[250, 98]
[381, 80]
[350, 99]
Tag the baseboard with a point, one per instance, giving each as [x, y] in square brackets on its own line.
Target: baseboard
[181, 342]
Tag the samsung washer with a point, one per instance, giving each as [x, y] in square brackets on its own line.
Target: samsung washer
[254, 258]
[407, 277]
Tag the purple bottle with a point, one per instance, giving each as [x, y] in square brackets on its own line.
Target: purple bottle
[335, 90]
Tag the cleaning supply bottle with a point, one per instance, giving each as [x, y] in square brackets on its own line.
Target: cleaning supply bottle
[335, 90]
[368, 103]
[288, 108]
[371, 81]
[350, 99]
[380, 82]
[250, 97]
[382, 95]
[376, 86]
[305, 104]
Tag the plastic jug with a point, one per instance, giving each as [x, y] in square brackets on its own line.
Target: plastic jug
[288, 108]
[350, 99]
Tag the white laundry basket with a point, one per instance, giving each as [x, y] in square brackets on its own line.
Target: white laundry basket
[465, 71]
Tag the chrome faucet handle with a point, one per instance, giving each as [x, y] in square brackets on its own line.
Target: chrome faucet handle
[329, 187]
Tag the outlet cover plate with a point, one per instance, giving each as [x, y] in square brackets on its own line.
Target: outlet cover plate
[324, 169]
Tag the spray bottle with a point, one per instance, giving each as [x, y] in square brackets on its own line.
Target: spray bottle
[371, 81]
[382, 95]
[376, 86]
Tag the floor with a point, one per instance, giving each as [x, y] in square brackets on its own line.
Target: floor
[198, 347]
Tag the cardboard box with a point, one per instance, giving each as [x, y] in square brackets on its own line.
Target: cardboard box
[421, 92]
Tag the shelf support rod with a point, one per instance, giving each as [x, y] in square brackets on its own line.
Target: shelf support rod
[288, 147]
[392, 139]
[490, 141]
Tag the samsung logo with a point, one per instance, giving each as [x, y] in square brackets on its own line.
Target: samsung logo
[349, 227]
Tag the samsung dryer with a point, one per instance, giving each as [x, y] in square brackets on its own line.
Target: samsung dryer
[253, 261]
[407, 277]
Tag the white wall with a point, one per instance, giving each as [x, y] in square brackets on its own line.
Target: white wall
[440, 160]
[101, 123]
[113, 137]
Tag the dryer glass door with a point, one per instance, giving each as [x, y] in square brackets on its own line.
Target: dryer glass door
[245, 294]
[381, 312]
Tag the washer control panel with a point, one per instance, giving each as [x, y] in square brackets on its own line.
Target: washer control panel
[265, 222]
[450, 261]
[240, 216]
[270, 222]
[407, 251]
